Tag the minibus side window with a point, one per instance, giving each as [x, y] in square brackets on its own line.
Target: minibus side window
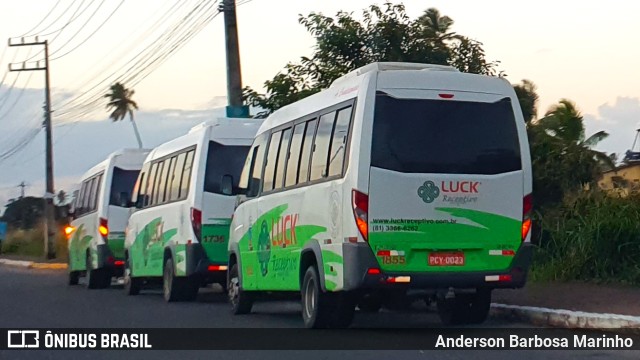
[152, 180]
[303, 174]
[95, 193]
[140, 189]
[164, 177]
[157, 189]
[80, 199]
[88, 195]
[282, 158]
[255, 161]
[272, 158]
[293, 162]
[186, 175]
[174, 186]
[339, 142]
[321, 146]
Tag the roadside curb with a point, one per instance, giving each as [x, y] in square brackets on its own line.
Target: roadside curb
[566, 318]
[32, 265]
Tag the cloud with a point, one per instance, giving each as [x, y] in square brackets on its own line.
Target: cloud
[621, 120]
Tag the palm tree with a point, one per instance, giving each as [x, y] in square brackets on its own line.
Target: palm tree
[121, 103]
[565, 123]
[435, 26]
[528, 99]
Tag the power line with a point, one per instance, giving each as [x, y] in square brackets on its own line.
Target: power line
[71, 19]
[6, 72]
[43, 19]
[59, 31]
[58, 18]
[17, 98]
[144, 58]
[75, 99]
[134, 42]
[82, 27]
[90, 35]
[7, 94]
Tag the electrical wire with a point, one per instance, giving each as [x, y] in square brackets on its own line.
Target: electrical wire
[144, 57]
[59, 31]
[75, 99]
[51, 58]
[74, 16]
[8, 111]
[146, 62]
[128, 49]
[41, 21]
[7, 94]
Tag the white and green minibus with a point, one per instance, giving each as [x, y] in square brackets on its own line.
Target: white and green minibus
[100, 212]
[399, 179]
[184, 200]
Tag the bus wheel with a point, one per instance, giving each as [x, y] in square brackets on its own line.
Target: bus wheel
[132, 285]
[465, 308]
[323, 309]
[93, 275]
[74, 277]
[241, 302]
[170, 284]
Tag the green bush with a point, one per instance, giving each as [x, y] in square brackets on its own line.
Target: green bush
[590, 236]
[31, 243]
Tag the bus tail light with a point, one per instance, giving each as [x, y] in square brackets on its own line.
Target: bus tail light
[527, 209]
[360, 204]
[68, 230]
[103, 228]
[217, 268]
[196, 223]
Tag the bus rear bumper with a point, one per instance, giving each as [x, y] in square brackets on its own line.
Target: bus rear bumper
[358, 276]
[199, 265]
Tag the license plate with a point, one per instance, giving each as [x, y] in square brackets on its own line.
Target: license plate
[446, 259]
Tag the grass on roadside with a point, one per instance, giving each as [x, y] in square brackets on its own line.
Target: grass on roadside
[30, 243]
[590, 237]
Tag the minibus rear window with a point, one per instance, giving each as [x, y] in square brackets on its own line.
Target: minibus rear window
[122, 186]
[444, 136]
[224, 160]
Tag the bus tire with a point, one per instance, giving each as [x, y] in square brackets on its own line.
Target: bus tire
[324, 309]
[465, 309]
[74, 277]
[176, 288]
[92, 275]
[170, 284]
[240, 300]
[132, 285]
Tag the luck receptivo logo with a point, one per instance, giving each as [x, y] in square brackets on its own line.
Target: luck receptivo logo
[428, 192]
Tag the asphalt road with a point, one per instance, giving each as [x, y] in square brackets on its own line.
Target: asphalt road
[41, 299]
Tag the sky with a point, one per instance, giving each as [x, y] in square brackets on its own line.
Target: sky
[583, 51]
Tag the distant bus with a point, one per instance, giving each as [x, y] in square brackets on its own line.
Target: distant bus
[398, 178]
[184, 199]
[101, 211]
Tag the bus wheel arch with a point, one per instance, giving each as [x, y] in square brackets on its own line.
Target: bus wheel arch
[311, 255]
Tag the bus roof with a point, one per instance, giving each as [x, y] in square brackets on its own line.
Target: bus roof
[125, 158]
[391, 75]
[226, 131]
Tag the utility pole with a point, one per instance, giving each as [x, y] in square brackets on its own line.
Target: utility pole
[235, 107]
[22, 185]
[49, 228]
[24, 211]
